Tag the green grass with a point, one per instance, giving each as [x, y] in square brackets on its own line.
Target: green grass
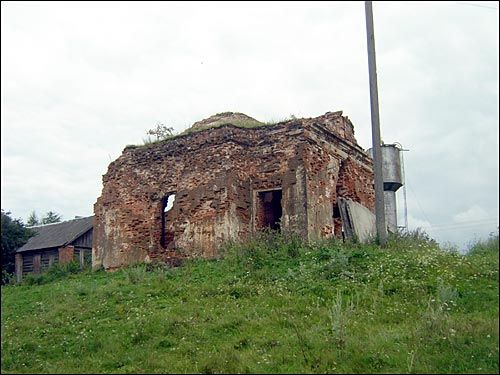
[274, 305]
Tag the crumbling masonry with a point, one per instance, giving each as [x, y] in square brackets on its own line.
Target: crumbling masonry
[230, 176]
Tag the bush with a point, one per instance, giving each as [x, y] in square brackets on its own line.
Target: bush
[336, 266]
[34, 279]
[136, 274]
[55, 272]
[61, 270]
[325, 249]
[482, 247]
[264, 247]
[405, 238]
[14, 235]
[8, 278]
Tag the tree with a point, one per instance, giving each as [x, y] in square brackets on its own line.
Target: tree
[14, 235]
[32, 219]
[161, 131]
[51, 217]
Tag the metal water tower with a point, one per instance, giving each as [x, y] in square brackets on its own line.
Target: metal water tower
[393, 177]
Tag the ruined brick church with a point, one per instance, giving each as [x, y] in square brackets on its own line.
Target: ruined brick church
[225, 178]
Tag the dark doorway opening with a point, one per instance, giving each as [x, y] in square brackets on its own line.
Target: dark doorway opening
[167, 227]
[338, 230]
[269, 209]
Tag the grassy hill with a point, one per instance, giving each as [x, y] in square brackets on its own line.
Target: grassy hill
[274, 305]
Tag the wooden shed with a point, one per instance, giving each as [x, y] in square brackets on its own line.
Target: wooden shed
[56, 243]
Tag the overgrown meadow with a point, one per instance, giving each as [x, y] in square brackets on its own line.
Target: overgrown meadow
[272, 305]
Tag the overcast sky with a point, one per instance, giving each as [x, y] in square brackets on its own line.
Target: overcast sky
[80, 81]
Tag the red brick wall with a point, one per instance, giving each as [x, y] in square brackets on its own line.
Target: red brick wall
[335, 167]
[356, 183]
[66, 254]
[215, 175]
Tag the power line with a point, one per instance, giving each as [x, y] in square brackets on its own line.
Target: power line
[447, 226]
[493, 218]
[464, 225]
[447, 3]
[438, 230]
[476, 5]
[416, 200]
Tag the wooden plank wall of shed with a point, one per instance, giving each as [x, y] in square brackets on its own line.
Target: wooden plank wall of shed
[84, 240]
[47, 258]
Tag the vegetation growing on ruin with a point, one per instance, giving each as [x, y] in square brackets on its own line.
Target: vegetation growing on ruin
[248, 124]
[273, 305]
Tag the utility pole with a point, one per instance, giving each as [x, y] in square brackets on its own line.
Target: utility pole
[377, 151]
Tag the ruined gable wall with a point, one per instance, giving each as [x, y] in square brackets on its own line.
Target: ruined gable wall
[213, 174]
[335, 166]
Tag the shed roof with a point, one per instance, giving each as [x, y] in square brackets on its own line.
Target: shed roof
[57, 234]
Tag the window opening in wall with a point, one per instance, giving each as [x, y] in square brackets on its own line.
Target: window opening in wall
[167, 229]
[87, 258]
[269, 209]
